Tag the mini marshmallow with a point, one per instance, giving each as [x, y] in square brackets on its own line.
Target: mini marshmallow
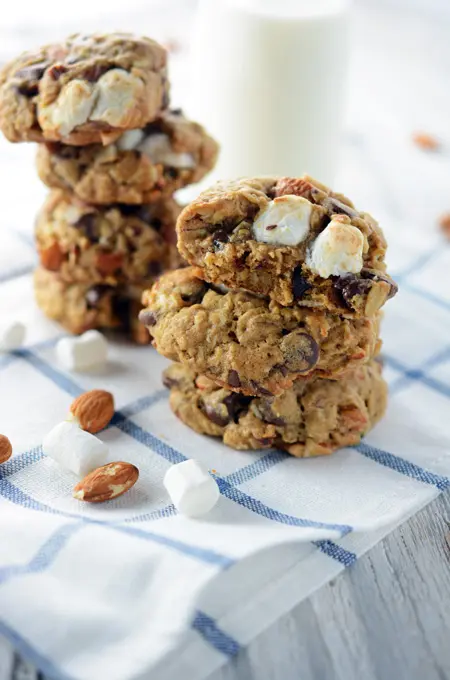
[89, 350]
[74, 449]
[130, 140]
[285, 221]
[192, 489]
[11, 336]
[158, 148]
[337, 250]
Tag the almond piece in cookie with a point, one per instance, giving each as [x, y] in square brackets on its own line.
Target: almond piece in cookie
[107, 482]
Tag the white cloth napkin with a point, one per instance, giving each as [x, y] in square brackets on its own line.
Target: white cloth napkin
[129, 588]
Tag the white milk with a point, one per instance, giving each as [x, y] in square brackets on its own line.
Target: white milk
[269, 82]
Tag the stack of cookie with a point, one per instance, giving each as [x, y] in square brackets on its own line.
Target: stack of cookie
[113, 154]
[275, 327]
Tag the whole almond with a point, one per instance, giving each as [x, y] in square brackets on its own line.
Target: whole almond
[5, 448]
[106, 482]
[93, 410]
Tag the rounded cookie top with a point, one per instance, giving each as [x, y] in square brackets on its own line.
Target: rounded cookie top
[313, 418]
[141, 166]
[87, 89]
[109, 244]
[292, 239]
[248, 343]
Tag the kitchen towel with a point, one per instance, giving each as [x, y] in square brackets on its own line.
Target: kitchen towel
[130, 589]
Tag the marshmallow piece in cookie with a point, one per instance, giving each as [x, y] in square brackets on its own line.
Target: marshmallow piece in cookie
[158, 148]
[285, 221]
[117, 91]
[130, 140]
[337, 250]
[72, 107]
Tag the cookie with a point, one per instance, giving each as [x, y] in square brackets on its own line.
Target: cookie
[312, 418]
[85, 90]
[141, 166]
[291, 239]
[248, 343]
[110, 244]
[79, 307]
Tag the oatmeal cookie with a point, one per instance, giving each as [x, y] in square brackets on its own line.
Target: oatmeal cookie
[141, 166]
[87, 89]
[111, 244]
[79, 307]
[291, 239]
[249, 343]
[312, 418]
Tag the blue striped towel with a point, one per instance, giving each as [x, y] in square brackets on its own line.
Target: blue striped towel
[130, 587]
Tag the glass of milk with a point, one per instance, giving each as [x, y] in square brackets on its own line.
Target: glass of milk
[269, 82]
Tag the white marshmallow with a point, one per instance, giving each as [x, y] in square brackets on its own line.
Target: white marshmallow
[192, 489]
[337, 250]
[117, 91]
[12, 336]
[130, 140]
[285, 221]
[85, 351]
[72, 108]
[74, 449]
[158, 148]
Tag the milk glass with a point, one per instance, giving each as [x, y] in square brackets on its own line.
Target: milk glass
[268, 80]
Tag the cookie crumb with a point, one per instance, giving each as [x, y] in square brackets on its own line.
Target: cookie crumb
[425, 141]
[444, 223]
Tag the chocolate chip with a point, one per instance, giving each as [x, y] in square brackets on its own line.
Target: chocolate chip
[87, 224]
[57, 70]
[282, 369]
[215, 416]
[153, 128]
[166, 100]
[236, 403]
[259, 390]
[194, 296]
[95, 294]
[271, 227]
[94, 72]
[265, 441]
[375, 276]
[300, 350]
[62, 150]
[147, 317]
[219, 238]
[233, 379]
[34, 73]
[299, 284]
[169, 382]
[121, 307]
[154, 268]
[171, 172]
[156, 223]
